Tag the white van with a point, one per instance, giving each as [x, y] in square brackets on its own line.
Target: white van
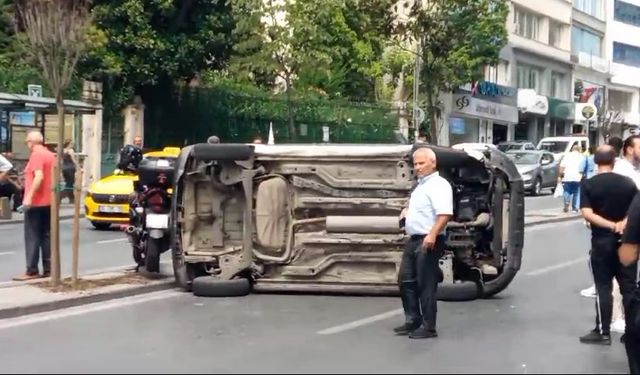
[558, 146]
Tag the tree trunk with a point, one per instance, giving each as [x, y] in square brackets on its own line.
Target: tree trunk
[55, 204]
[433, 117]
[290, 113]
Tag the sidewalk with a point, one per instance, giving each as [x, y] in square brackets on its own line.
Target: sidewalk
[36, 296]
[552, 215]
[66, 212]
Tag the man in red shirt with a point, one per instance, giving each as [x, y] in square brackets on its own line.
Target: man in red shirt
[37, 207]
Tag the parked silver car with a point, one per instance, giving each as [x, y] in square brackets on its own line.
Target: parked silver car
[516, 146]
[539, 169]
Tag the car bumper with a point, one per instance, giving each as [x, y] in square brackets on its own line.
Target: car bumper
[105, 212]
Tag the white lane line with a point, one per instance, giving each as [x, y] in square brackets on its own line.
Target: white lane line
[86, 309]
[359, 323]
[111, 241]
[7, 252]
[542, 271]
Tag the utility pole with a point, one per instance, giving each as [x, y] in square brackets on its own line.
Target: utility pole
[416, 91]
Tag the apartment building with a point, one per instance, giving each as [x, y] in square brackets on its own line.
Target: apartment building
[623, 47]
[592, 66]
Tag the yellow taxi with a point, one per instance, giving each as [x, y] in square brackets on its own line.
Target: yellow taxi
[107, 200]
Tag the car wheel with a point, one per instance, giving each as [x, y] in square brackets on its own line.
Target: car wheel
[537, 187]
[101, 226]
[207, 286]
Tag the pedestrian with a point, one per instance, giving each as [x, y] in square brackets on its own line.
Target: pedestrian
[590, 292]
[214, 139]
[629, 164]
[606, 197]
[430, 208]
[37, 207]
[257, 140]
[9, 187]
[69, 166]
[570, 175]
[629, 287]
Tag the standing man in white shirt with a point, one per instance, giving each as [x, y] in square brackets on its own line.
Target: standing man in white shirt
[570, 175]
[429, 211]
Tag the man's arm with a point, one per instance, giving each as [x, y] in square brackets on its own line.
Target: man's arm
[38, 177]
[597, 220]
[5, 168]
[628, 251]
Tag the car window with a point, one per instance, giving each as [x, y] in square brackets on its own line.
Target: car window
[524, 157]
[529, 146]
[547, 158]
[553, 146]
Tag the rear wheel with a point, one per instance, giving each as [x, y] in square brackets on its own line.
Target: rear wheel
[101, 226]
[152, 255]
[207, 286]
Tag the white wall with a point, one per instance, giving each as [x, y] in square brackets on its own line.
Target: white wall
[623, 33]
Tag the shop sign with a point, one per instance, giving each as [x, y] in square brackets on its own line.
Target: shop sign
[474, 107]
[530, 102]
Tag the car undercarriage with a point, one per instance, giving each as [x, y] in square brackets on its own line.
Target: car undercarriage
[325, 218]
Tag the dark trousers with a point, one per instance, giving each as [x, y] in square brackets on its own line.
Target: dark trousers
[418, 278]
[37, 221]
[571, 194]
[630, 300]
[9, 190]
[69, 176]
[632, 343]
[604, 267]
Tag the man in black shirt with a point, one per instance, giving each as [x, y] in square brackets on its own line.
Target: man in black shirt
[628, 255]
[605, 199]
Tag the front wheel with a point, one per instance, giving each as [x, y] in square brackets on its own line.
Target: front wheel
[537, 187]
[101, 226]
[152, 254]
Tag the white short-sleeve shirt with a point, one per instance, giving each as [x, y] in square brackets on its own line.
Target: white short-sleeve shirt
[432, 197]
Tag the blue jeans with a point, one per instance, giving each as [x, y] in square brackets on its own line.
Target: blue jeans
[571, 190]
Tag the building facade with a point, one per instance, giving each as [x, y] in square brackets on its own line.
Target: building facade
[623, 46]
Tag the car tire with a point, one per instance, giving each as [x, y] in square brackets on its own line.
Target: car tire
[210, 152]
[101, 226]
[536, 189]
[207, 286]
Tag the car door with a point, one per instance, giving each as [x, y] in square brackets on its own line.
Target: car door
[549, 169]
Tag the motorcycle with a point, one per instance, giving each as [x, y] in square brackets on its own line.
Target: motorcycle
[149, 213]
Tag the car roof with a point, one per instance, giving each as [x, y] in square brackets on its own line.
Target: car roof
[527, 152]
[517, 142]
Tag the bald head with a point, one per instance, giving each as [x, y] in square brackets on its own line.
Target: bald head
[34, 138]
[605, 156]
[424, 161]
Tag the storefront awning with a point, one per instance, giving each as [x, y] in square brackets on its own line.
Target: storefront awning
[43, 105]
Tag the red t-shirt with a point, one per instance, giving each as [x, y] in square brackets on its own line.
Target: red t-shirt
[41, 159]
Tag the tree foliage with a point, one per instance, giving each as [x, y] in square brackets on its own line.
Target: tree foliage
[141, 43]
[456, 39]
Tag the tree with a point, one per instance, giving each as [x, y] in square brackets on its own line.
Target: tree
[55, 32]
[455, 40]
[137, 44]
[279, 39]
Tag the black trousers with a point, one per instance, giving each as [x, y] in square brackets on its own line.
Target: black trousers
[9, 190]
[418, 280]
[630, 301]
[605, 266]
[37, 221]
[69, 176]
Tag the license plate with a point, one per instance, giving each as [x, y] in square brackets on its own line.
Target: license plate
[157, 221]
[110, 209]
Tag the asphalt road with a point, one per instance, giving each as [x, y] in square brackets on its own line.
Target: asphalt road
[543, 202]
[532, 327]
[98, 249]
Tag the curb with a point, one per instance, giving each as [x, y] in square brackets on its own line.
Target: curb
[553, 220]
[19, 221]
[14, 312]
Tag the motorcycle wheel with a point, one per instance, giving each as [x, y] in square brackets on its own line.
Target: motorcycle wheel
[152, 255]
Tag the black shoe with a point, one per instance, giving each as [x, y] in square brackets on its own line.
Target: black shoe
[423, 333]
[405, 329]
[595, 337]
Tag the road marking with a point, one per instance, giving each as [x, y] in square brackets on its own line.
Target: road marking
[7, 252]
[86, 309]
[542, 271]
[360, 322]
[112, 241]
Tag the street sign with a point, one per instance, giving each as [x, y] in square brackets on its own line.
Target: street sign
[34, 90]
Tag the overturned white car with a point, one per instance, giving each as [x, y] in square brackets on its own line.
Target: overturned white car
[324, 218]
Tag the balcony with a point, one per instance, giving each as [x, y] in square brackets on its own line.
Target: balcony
[592, 62]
